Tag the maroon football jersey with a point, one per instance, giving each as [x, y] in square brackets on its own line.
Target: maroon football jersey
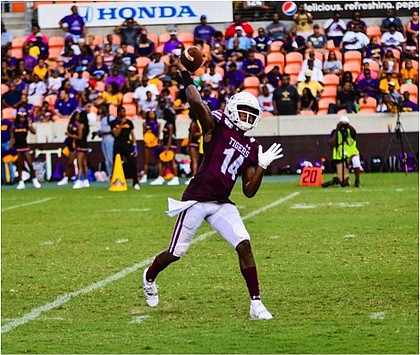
[226, 156]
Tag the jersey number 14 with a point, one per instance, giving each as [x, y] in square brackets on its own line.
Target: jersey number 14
[229, 166]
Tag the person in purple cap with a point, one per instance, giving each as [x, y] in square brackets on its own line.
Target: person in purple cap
[21, 127]
[75, 25]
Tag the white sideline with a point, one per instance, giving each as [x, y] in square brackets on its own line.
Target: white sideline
[36, 312]
[26, 204]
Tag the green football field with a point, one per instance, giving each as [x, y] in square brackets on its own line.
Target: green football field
[338, 269]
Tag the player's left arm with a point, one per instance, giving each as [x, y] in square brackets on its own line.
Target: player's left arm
[251, 180]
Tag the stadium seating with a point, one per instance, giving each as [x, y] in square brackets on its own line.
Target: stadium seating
[324, 103]
[251, 82]
[100, 86]
[374, 66]
[412, 89]
[307, 113]
[130, 110]
[337, 52]
[276, 58]
[352, 67]
[187, 38]
[51, 99]
[294, 57]
[329, 91]
[318, 54]
[4, 89]
[252, 91]
[331, 80]
[276, 46]
[8, 113]
[128, 98]
[154, 38]
[141, 62]
[353, 56]
[164, 37]
[113, 110]
[369, 104]
[261, 57]
[374, 31]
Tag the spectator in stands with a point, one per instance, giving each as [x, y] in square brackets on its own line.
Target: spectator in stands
[346, 99]
[145, 47]
[82, 149]
[19, 83]
[308, 101]
[368, 87]
[212, 78]
[21, 127]
[262, 42]
[10, 61]
[392, 39]
[6, 39]
[347, 77]
[111, 96]
[42, 47]
[69, 59]
[156, 69]
[41, 70]
[33, 49]
[79, 83]
[36, 91]
[132, 81]
[20, 67]
[273, 77]
[354, 39]
[140, 93]
[151, 133]
[265, 99]
[334, 29]
[317, 40]
[366, 66]
[61, 69]
[356, 22]
[86, 57]
[303, 20]
[218, 55]
[391, 19]
[129, 31]
[120, 65]
[286, 100]
[244, 42]
[407, 105]
[231, 30]
[65, 105]
[147, 104]
[293, 42]
[173, 43]
[69, 42]
[409, 74]
[29, 61]
[116, 77]
[108, 55]
[54, 82]
[390, 59]
[252, 66]
[276, 30]
[93, 47]
[204, 32]
[236, 77]
[309, 82]
[6, 74]
[316, 74]
[236, 55]
[75, 25]
[410, 47]
[44, 113]
[127, 58]
[99, 67]
[107, 143]
[412, 26]
[374, 51]
[115, 45]
[332, 65]
[12, 98]
[311, 58]
[219, 39]
[211, 101]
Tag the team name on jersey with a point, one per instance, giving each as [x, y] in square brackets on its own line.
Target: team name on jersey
[239, 147]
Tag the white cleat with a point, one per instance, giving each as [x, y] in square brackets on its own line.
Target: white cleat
[188, 181]
[36, 183]
[21, 185]
[258, 311]
[78, 184]
[143, 179]
[174, 181]
[63, 181]
[150, 291]
[159, 181]
[85, 183]
[136, 187]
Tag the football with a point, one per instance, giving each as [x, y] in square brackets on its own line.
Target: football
[192, 58]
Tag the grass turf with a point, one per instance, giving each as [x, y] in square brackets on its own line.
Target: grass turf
[338, 269]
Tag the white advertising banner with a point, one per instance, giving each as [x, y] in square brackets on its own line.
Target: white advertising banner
[106, 14]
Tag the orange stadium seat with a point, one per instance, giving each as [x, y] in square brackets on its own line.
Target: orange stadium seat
[51, 99]
[353, 56]
[154, 38]
[266, 114]
[374, 66]
[130, 49]
[17, 43]
[367, 110]
[252, 91]
[294, 57]
[337, 52]
[128, 98]
[276, 58]
[159, 48]
[307, 113]
[100, 86]
[97, 40]
[412, 89]
[8, 113]
[329, 91]
[251, 82]
[261, 57]
[55, 52]
[164, 37]
[332, 47]
[324, 103]
[318, 54]
[293, 69]
[130, 110]
[219, 70]
[276, 46]
[113, 110]
[4, 89]
[141, 62]
[374, 31]
[331, 80]
[354, 68]
[187, 38]
[55, 41]
[369, 104]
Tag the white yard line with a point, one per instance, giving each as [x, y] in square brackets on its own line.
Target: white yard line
[26, 204]
[36, 312]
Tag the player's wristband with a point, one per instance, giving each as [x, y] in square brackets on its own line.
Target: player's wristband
[186, 78]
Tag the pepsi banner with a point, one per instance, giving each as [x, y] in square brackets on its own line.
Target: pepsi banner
[106, 14]
[325, 9]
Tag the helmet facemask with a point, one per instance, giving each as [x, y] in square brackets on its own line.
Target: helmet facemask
[247, 105]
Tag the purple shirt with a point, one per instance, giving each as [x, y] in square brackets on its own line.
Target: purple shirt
[373, 83]
[254, 67]
[226, 156]
[119, 80]
[169, 46]
[75, 24]
[236, 77]
[205, 33]
[66, 108]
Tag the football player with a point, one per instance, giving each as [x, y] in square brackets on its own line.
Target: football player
[228, 154]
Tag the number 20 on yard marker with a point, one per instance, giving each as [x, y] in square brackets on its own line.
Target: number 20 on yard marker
[311, 176]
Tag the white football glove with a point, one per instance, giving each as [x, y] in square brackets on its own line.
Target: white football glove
[272, 153]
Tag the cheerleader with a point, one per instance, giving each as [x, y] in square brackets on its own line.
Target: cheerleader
[69, 149]
[151, 132]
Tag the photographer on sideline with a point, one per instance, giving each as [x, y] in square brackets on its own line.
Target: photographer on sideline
[343, 143]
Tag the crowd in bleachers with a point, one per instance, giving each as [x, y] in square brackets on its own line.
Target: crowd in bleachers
[51, 77]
